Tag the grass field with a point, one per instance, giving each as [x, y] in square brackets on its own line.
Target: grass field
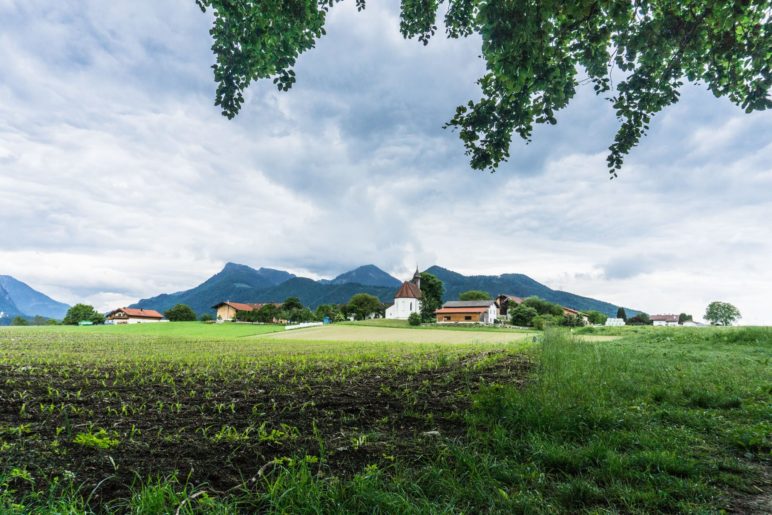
[368, 334]
[196, 418]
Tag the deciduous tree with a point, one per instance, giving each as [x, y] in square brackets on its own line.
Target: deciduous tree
[362, 305]
[432, 290]
[82, 313]
[523, 315]
[722, 313]
[596, 317]
[180, 313]
[636, 54]
[474, 295]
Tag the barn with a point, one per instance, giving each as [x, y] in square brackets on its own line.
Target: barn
[467, 312]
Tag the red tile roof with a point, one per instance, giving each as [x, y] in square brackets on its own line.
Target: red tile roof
[408, 290]
[241, 306]
[137, 313]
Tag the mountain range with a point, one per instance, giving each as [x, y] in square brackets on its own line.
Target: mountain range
[19, 299]
[241, 283]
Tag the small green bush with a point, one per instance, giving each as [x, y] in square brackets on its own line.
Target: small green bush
[414, 319]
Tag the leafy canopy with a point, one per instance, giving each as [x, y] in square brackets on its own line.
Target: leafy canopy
[474, 295]
[362, 305]
[637, 54]
[721, 313]
[180, 313]
[432, 291]
[83, 313]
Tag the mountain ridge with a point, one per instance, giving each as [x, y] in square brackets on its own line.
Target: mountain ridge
[242, 283]
[17, 298]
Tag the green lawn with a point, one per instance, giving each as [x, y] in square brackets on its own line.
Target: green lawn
[665, 420]
[168, 329]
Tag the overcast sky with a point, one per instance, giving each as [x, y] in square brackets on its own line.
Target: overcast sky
[119, 179]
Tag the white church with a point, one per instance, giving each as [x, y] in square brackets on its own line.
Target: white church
[407, 299]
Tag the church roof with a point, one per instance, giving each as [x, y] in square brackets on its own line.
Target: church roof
[408, 290]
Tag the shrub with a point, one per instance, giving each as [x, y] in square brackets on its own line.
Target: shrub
[543, 321]
[180, 313]
[414, 319]
[523, 315]
[81, 313]
[543, 307]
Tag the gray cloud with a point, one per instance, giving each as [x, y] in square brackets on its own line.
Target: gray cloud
[119, 179]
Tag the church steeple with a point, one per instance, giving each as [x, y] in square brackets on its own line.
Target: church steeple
[417, 278]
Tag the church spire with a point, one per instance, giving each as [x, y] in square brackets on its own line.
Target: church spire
[417, 278]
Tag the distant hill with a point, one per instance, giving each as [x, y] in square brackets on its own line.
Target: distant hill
[30, 301]
[519, 285]
[241, 283]
[19, 299]
[367, 275]
[313, 293]
[8, 309]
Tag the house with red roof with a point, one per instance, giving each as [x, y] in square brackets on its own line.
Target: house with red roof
[226, 311]
[407, 300]
[122, 316]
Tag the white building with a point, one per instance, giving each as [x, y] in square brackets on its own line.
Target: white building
[614, 322]
[134, 316]
[407, 300]
[664, 319]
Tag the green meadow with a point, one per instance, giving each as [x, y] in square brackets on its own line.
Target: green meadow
[232, 418]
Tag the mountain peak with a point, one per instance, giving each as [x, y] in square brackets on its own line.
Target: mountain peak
[367, 275]
[28, 301]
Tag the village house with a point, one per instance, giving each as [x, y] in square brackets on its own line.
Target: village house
[226, 311]
[573, 312]
[407, 300]
[614, 322]
[133, 316]
[505, 302]
[664, 319]
[467, 312]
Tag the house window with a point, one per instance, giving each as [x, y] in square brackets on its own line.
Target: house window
[411, 306]
[468, 317]
[446, 318]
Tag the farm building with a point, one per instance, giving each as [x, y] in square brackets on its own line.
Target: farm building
[573, 312]
[226, 311]
[505, 302]
[615, 322]
[407, 300]
[467, 312]
[664, 319]
[133, 316]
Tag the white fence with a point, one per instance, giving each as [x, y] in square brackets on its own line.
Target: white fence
[301, 326]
